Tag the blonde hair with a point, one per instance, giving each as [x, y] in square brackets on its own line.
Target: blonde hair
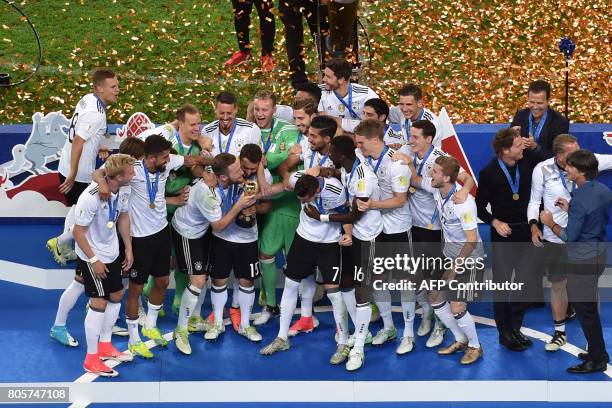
[117, 163]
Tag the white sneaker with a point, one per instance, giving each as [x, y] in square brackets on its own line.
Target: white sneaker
[437, 335]
[251, 334]
[383, 336]
[351, 339]
[425, 326]
[406, 345]
[355, 360]
[214, 332]
[120, 331]
[263, 318]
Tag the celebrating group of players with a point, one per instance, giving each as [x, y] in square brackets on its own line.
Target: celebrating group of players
[324, 182]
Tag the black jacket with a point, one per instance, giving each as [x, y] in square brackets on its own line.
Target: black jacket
[555, 125]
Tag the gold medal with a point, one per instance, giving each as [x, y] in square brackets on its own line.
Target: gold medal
[152, 206]
[430, 226]
[412, 190]
[110, 225]
[515, 196]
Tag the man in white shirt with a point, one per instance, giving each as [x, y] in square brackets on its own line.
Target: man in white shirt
[426, 228]
[78, 157]
[549, 183]
[463, 257]
[150, 236]
[412, 108]
[342, 99]
[315, 245]
[311, 151]
[393, 180]
[190, 227]
[97, 248]
[360, 184]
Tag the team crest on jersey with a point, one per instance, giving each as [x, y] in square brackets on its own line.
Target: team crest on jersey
[403, 181]
[361, 186]
[133, 273]
[197, 265]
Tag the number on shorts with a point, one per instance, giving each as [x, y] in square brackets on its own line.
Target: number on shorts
[358, 274]
[336, 272]
[254, 270]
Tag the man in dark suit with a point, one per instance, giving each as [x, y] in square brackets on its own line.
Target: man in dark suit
[538, 122]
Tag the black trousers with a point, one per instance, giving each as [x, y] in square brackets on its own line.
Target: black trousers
[291, 14]
[582, 291]
[512, 262]
[242, 20]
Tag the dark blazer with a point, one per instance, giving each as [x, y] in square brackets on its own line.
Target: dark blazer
[555, 125]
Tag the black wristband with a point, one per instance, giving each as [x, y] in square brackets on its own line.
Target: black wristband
[533, 222]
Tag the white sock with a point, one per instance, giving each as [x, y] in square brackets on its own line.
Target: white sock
[188, 300]
[246, 298]
[351, 305]
[382, 298]
[218, 296]
[133, 330]
[93, 326]
[152, 313]
[467, 325]
[339, 310]
[110, 317]
[235, 294]
[408, 312]
[287, 306]
[363, 314]
[65, 239]
[197, 309]
[408, 308]
[308, 287]
[443, 311]
[423, 301]
[67, 301]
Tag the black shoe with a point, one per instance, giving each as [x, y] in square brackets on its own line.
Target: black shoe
[524, 340]
[275, 310]
[588, 367]
[583, 356]
[511, 342]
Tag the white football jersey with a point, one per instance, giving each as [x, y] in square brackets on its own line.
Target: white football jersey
[394, 135]
[244, 132]
[363, 183]
[330, 200]
[393, 177]
[349, 108]
[233, 232]
[426, 114]
[421, 201]
[147, 221]
[92, 212]
[89, 123]
[284, 112]
[192, 219]
[167, 131]
[548, 183]
[455, 219]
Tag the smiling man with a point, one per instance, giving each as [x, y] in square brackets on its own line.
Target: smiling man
[539, 123]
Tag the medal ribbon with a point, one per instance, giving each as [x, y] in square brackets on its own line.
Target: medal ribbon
[350, 102]
[151, 188]
[380, 159]
[514, 186]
